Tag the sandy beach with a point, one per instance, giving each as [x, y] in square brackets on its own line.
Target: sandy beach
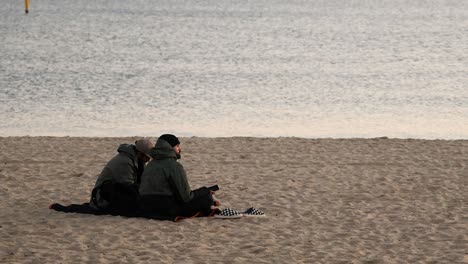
[327, 201]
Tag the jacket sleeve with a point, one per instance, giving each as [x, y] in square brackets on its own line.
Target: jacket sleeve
[180, 184]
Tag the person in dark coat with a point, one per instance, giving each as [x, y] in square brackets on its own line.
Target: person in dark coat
[116, 188]
[164, 188]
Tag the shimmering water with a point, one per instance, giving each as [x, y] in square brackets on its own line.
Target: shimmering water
[234, 68]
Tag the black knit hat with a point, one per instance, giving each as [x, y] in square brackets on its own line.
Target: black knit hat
[171, 139]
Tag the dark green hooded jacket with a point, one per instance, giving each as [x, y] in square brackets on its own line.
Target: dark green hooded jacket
[164, 175]
[123, 168]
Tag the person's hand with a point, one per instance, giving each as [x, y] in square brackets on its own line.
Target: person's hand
[212, 192]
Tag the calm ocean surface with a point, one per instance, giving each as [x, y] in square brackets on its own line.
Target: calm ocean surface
[234, 68]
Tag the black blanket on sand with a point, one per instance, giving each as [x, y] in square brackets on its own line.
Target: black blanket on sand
[125, 201]
[85, 208]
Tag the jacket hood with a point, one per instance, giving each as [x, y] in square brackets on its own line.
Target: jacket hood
[127, 149]
[163, 150]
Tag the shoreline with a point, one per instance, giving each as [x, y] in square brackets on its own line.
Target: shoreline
[252, 137]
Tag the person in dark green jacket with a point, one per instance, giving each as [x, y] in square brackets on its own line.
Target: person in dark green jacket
[116, 188]
[164, 188]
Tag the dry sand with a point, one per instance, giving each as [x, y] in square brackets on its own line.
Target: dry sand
[327, 201]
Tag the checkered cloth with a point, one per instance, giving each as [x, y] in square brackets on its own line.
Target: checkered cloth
[253, 212]
[228, 213]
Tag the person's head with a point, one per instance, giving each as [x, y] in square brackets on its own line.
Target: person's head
[143, 148]
[174, 142]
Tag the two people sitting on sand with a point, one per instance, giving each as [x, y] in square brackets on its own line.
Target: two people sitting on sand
[129, 186]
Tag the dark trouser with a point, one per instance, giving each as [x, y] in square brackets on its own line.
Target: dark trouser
[170, 206]
[122, 198]
[76, 208]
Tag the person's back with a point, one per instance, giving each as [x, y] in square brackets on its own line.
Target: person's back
[121, 168]
[117, 185]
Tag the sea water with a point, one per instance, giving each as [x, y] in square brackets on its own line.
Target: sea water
[213, 68]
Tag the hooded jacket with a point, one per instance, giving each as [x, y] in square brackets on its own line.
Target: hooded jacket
[164, 175]
[123, 168]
